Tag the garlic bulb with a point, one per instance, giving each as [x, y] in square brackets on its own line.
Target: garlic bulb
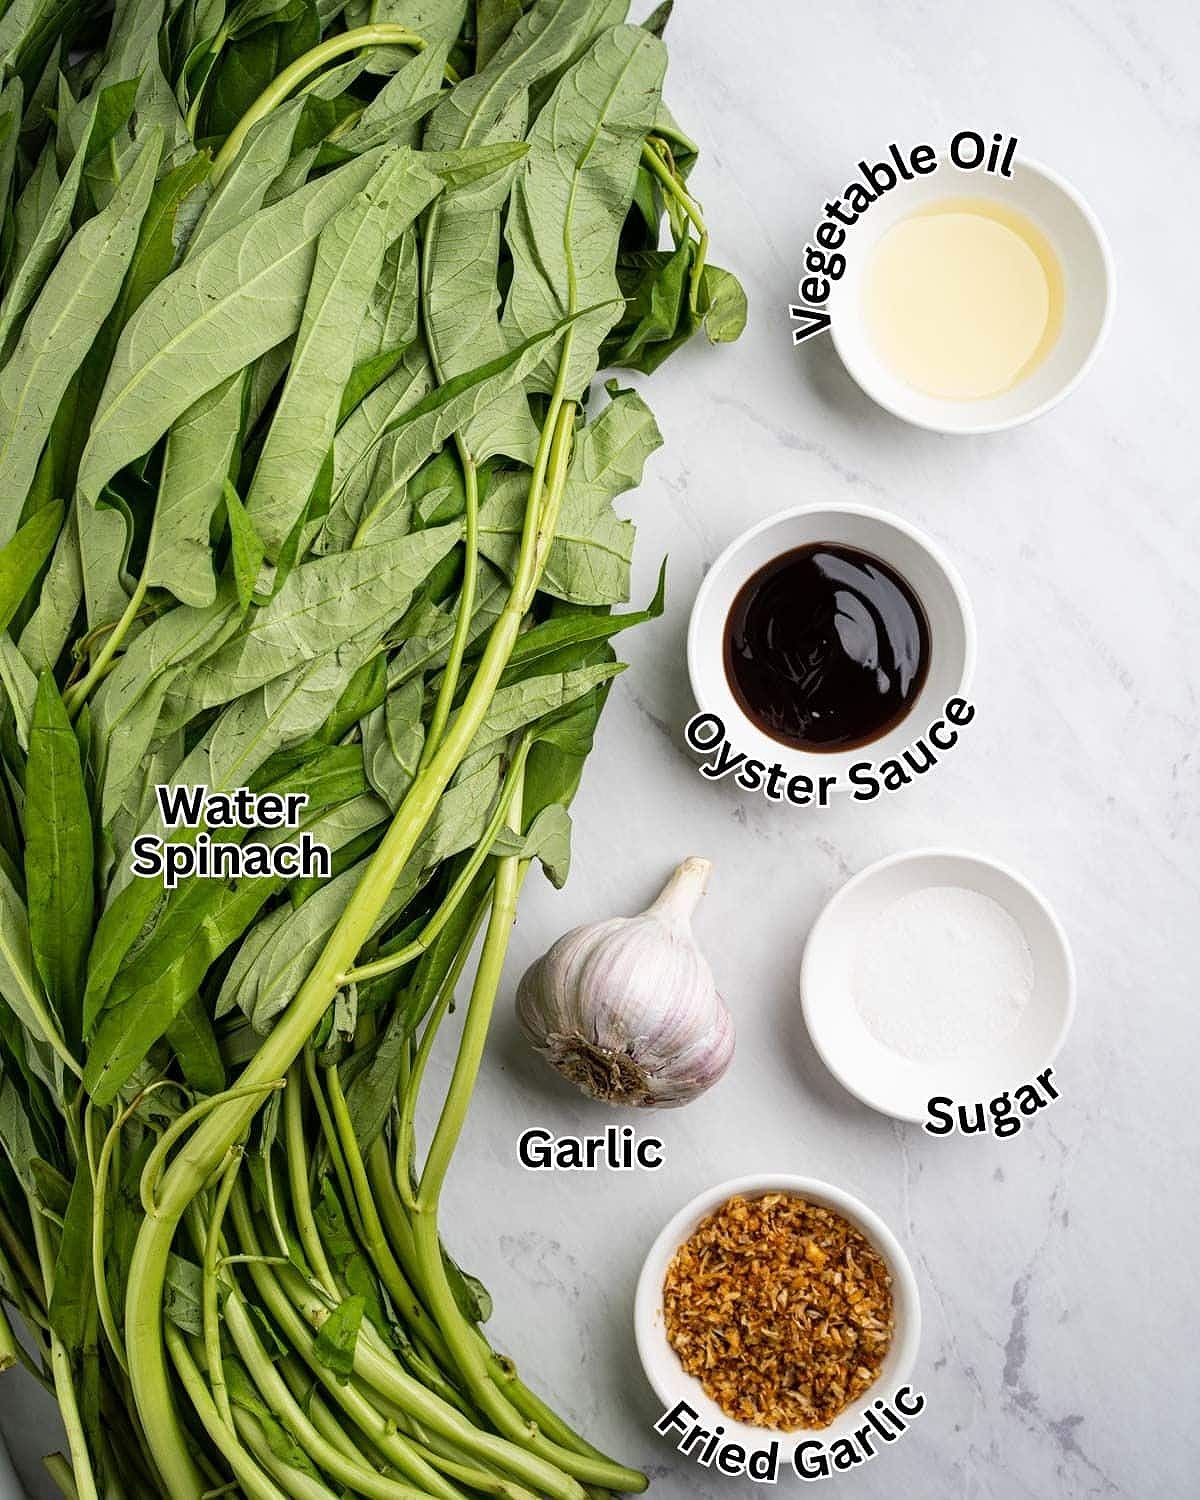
[628, 1009]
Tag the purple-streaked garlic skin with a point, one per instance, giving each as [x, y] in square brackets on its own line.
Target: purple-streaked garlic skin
[628, 1009]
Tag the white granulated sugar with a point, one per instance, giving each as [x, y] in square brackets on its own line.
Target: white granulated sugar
[943, 972]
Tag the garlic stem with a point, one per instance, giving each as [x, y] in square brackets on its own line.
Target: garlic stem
[681, 894]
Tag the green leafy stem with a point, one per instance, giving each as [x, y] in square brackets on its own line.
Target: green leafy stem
[380, 34]
[657, 156]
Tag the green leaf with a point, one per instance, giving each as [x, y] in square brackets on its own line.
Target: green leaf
[133, 53]
[220, 310]
[243, 189]
[578, 628]
[144, 986]
[349, 259]
[20, 985]
[356, 448]
[658, 318]
[723, 305]
[423, 428]
[365, 693]
[392, 319]
[555, 766]
[73, 1294]
[155, 255]
[494, 21]
[49, 626]
[533, 698]
[656, 285]
[462, 232]
[407, 97]
[656, 22]
[460, 169]
[246, 548]
[194, 1044]
[249, 16]
[109, 111]
[570, 202]
[11, 99]
[393, 739]
[183, 1294]
[64, 321]
[58, 857]
[200, 451]
[243, 1394]
[436, 20]
[426, 642]
[248, 66]
[323, 606]
[22, 558]
[20, 686]
[128, 704]
[33, 205]
[16, 1136]
[589, 559]
[547, 839]
[337, 1340]
[473, 1298]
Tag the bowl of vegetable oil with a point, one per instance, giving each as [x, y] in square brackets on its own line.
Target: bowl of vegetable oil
[972, 303]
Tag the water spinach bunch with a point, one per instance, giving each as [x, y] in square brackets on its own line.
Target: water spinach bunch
[301, 491]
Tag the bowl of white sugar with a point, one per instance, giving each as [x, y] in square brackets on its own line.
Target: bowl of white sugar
[938, 975]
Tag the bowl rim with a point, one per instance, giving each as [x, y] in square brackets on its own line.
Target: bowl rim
[1006, 424]
[649, 1333]
[929, 852]
[789, 755]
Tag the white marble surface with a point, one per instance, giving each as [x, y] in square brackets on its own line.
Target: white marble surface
[1057, 1268]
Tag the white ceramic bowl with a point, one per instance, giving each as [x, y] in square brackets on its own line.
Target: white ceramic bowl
[913, 555]
[884, 1079]
[667, 1376]
[1089, 284]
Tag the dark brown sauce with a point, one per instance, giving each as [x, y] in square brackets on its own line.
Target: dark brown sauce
[826, 648]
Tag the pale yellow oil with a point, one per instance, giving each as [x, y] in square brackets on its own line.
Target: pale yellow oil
[964, 299]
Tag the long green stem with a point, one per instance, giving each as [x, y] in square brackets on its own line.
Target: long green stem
[297, 1168]
[75, 697]
[356, 1473]
[466, 608]
[59, 1471]
[406, 1130]
[179, 1128]
[381, 35]
[386, 1190]
[21, 1291]
[653, 158]
[210, 1291]
[99, 1170]
[9, 1348]
[373, 1236]
[333, 1144]
[296, 1311]
[420, 944]
[64, 1378]
[475, 1030]
[297, 1484]
[24, 1261]
[380, 1372]
[253, 1481]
